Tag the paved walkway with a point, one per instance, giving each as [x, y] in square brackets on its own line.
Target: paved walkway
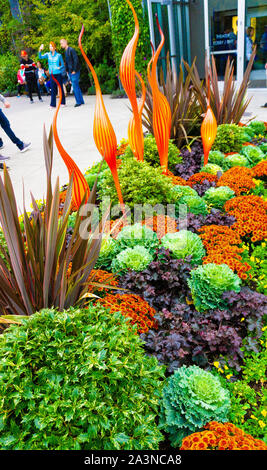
[75, 127]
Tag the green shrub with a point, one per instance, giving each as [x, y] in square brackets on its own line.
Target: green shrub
[217, 197]
[209, 282]
[211, 168]
[228, 138]
[184, 243]
[136, 258]
[3, 244]
[257, 127]
[216, 157]
[195, 205]
[81, 382]
[9, 65]
[151, 154]
[253, 154]
[263, 147]
[140, 183]
[137, 234]
[235, 160]
[192, 398]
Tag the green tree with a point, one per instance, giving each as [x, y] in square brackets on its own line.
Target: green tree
[123, 29]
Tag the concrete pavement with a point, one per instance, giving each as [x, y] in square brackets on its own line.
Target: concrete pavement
[75, 128]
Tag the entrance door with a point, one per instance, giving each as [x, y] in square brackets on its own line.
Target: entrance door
[224, 34]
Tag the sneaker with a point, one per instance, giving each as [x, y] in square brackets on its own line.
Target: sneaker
[78, 104]
[2, 146]
[41, 99]
[25, 147]
[264, 105]
[31, 101]
[2, 158]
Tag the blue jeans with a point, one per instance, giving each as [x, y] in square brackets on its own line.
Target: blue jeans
[4, 123]
[74, 78]
[58, 77]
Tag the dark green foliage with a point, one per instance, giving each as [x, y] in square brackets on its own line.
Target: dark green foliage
[9, 65]
[81, 381]
[151, 154]
[148, 185]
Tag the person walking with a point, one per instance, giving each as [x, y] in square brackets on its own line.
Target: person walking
[29, 67]
[73, 69]
[5, 124]
[56, 68]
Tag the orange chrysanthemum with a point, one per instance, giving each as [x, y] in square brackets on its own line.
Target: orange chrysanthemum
[223, 246]
[176, 179]
[250, 213]
[198, 178]
[238, 178]
[99, 276]
[161, 224]
[133, 307]
[260, 170]
[222, 436]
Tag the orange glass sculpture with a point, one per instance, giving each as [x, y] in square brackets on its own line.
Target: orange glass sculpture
[80, 188]
[161, 109]
[208, 129]
[104, 135]
[127, 76]
[132, 133]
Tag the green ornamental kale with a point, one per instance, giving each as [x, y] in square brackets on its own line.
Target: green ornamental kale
[184, 243]
[217, 197]
[137, 234]
[211, 168]
[253, 154]
[216, 157]
[183, 191]
[235, 160]
[195, 205]
[209, 282]
[108, 251]
[192, 398]
[77, 380]
[136, 258]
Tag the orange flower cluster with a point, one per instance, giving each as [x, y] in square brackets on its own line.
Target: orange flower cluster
[250, 213]
[115, 225]
[176, 179]
[222, 245]
[121, 149]
[218, 436]
[260, 169]
[133, 307]
[62, 197]
[238, 178]
[101, 277]
[161, 224]
[198, 178]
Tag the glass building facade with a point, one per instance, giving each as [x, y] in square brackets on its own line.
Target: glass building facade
[222, 28]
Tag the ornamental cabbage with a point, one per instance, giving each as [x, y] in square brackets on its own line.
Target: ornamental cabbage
[253, 154]
[192, 397]
[183, 191]
[184, 243]
[108, 251]
[137, 259]
[216, 157]
[195, 205]
[263, 147]
[137, 234]
[235, 160]
[209, 282]
[211, 168]
[217, 197]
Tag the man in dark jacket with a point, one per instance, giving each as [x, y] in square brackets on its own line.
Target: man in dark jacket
[73, 69]
[29, 68]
